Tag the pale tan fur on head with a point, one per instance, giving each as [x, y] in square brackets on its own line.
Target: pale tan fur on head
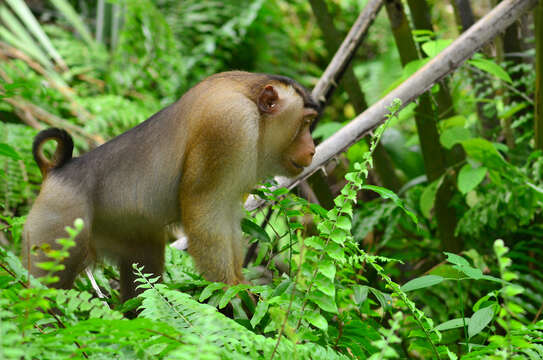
[279, 129]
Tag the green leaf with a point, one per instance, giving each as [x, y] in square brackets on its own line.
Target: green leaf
[383, 192]
[254, 230]
[315, 242]
[492, 68]
[432, 48]
[260, 311]
[319, 210]
[480, 320]
[452, 324]
[209, 290]
[469, 178]
[454, 135]
[327, 268]
[280, 192]
[338, 236]
[344, 222]
[484, 151]
[422, 282]
[513, 110]
[335, 252]
[389, 194]
[471, 272]
[324, 302]
[456, 259]
[360, 294]
[230, 293]
[316, 320]
[8, 151]
[325, 285]
[428, 197]
[384, 299]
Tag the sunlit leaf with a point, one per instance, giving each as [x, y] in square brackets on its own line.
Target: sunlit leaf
[422, 282]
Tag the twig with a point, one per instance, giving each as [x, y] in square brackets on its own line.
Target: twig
[341, 60]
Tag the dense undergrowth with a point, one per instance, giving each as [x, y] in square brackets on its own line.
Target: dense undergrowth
[364, 278]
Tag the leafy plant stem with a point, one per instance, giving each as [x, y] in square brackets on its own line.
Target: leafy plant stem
[292, 293]
[464, 325]
[417, 314]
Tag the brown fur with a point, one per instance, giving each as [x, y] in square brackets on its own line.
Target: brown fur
[191, 163]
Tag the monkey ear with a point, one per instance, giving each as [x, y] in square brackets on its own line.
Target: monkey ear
[267, 101]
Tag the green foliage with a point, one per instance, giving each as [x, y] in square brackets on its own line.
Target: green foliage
[19, 176]
[326, 294]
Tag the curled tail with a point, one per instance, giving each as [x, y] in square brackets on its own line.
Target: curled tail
[63, 152]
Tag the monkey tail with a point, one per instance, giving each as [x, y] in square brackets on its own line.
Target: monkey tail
[63, 152]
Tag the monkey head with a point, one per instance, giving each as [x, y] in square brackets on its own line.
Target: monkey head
[287, 111]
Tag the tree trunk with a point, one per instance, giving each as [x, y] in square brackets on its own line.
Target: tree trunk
[432, 151]
[538, 98]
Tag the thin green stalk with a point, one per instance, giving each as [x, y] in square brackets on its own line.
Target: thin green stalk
[463, 317]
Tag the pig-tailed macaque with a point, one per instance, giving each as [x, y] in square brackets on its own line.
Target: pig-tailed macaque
[190, 163]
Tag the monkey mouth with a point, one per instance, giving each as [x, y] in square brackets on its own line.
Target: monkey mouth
[296, 165]
[294, 168]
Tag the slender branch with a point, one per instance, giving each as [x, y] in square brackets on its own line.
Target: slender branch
[341, 60]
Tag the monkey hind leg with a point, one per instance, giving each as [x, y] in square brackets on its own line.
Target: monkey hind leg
[42, 229]
[150, 255]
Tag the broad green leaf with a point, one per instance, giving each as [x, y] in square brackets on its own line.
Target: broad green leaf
[428, 197]
[484, 151]
[513, 110]
[317, 320]
[469, 178]
[452, 324]
[8, 151]
[325, 285]
[389, 194]
[324, 301]
[327, 268]
[471, 272]
[209, 290]
[492, 68]
[338, 236]
[260, 311]
[344, 222]
[281, 288]
[360, 294]
[319, 210]
[335, 251]
[432, 48]
[384, 299]
[230, 293]
[422, 282]
[456, 259]
[315, 242]
[254, 230]
[454, 135]
[452, 122]
[480, 320]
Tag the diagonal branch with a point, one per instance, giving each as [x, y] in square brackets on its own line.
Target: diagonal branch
[330, 78]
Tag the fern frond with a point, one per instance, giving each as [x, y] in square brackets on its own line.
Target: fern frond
[218, 335]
